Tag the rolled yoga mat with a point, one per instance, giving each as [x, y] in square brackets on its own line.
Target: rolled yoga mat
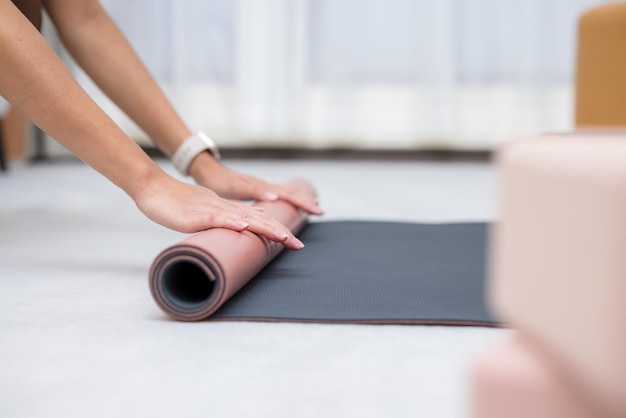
[349, 272]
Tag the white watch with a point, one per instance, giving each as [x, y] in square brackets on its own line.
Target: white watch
[191, 148]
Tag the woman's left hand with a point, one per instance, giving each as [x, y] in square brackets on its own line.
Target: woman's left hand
[230, 184]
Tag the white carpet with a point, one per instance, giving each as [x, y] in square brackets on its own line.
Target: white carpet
[81, 337]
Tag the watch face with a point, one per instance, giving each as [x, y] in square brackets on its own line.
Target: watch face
[212, 147]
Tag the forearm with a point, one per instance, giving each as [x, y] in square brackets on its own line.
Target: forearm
[103, 52]
[34, 79]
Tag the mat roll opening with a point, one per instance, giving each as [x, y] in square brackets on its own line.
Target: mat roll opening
[186, 284]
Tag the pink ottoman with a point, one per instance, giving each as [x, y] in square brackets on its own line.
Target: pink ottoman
[515, 380]
[558, 256]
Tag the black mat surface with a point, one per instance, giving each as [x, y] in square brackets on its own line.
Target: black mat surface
[373, 272]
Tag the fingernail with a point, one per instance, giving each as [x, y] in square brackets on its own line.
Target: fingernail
[241, 224]
[300, 243]
[315, 210]
[269, 195]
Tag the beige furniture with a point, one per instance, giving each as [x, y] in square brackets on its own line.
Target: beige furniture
[601, 67]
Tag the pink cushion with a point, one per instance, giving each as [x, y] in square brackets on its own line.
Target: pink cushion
[558, 264]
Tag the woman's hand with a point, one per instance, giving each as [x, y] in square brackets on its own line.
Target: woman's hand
[230, 184]
[188, 208]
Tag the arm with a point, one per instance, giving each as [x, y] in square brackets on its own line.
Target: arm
[103, 52]
[36, 81]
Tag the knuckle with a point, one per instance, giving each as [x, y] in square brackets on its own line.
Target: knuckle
[213, 218]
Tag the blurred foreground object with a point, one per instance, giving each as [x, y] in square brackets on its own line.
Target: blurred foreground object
[558, 271]
[514, 379]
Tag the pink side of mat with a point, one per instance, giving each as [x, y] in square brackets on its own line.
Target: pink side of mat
[558, 256]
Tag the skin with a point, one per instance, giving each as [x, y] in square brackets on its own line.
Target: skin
[35, 80]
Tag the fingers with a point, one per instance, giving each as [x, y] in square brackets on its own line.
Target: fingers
[273, 233]
[190, 209]
[232, 185]
[309, 204]
[264, 225]
[240, 217]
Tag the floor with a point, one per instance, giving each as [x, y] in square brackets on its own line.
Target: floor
[81, 337]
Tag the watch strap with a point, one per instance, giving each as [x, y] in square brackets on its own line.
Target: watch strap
[191, 148]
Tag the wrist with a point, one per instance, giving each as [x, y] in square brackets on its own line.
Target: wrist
[203, 166]
[143, 176]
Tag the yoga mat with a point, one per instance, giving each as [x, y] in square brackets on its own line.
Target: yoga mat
[349, 272]
[192, 279]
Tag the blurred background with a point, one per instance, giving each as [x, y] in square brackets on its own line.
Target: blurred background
[356, 74]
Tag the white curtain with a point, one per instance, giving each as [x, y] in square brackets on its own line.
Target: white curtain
[404, 74]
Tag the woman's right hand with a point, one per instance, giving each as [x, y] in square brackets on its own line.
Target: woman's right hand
[189, 208]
